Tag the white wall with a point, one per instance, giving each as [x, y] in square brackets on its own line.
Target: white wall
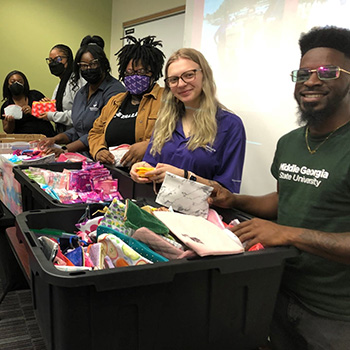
[252, 59]
[128, 10]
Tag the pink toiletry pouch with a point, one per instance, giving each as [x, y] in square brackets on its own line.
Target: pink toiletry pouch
[157, 243]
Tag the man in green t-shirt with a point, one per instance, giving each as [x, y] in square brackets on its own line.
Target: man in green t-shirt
[312, 203]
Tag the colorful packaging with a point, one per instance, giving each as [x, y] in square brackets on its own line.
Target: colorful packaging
[39, 107]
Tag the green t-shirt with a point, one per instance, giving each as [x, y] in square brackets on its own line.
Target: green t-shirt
[314, 193]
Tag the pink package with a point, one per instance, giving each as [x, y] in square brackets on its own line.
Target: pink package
[215, 218]
[71, 157]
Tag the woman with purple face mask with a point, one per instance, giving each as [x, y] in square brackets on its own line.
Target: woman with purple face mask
[129, 117]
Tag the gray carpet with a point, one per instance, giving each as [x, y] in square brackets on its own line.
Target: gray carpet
[18, 327]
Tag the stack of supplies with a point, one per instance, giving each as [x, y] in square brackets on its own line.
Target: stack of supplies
[91, 184]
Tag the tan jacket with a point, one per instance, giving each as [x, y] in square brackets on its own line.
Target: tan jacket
[145, 120]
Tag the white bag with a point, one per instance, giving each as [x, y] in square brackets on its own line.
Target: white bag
[185, 196]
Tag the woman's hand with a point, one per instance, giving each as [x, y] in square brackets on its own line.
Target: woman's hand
[8, 124]
[55, 150]
[46, 143]
[134, 154]
[26, 109]
[8, 118]
[105, 157]
[45, 99]
[43, 116]
[135, 176]
[158, 174]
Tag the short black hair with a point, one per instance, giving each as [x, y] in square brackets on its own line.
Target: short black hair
[328, 36]
[141, 50]
[96, 51]
[6, 93]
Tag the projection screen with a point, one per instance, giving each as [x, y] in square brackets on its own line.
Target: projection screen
[252, 46]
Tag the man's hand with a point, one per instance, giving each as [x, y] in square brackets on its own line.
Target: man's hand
[221, 196]
[262, 231]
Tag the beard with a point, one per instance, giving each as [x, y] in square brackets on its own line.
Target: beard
[313, 117]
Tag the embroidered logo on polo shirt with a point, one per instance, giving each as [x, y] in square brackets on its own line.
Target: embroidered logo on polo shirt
[210, 149]
[94, 107]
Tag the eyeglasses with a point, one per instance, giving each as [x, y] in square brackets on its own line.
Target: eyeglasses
[186, 77]
[323, 73]
[141, 71]
[92, 65]
[57, 59]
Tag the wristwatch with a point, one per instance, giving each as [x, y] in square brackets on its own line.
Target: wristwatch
[65, 149]
[193, 177]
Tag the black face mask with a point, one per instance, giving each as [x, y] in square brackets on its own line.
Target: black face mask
[92, 76]
[56, 68]
[16, 89]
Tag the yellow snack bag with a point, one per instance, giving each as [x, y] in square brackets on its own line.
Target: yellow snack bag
[142, 170]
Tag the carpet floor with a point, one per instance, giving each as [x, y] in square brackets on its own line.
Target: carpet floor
[18, 326]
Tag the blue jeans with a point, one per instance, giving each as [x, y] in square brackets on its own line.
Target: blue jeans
[296, 328]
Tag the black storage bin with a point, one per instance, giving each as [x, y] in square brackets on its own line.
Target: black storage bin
[33, 197]
[222, 302]
[11, 275]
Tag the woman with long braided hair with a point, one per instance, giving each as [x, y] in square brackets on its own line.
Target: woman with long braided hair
[60, 62]
[129, 117]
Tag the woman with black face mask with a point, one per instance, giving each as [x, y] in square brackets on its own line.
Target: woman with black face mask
[92, 64]
[16, 92]
[60, 63]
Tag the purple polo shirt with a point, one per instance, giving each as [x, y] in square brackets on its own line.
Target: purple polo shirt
[222, 162]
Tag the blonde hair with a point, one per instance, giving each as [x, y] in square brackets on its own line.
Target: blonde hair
[172, 109]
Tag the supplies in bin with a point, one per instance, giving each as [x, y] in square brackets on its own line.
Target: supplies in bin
[96, 246]
[39, 107]
[201, 235]
[127, 235]
[22, 152]
[93, 183]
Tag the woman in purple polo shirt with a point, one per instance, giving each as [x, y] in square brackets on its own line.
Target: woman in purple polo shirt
[194, 135]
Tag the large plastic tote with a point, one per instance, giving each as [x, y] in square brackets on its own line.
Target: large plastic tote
[223, 302]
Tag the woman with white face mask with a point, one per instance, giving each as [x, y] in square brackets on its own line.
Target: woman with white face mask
[60, 62]
[16, 91]
[129, 118]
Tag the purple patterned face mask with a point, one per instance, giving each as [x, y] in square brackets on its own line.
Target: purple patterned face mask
[137, 84]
